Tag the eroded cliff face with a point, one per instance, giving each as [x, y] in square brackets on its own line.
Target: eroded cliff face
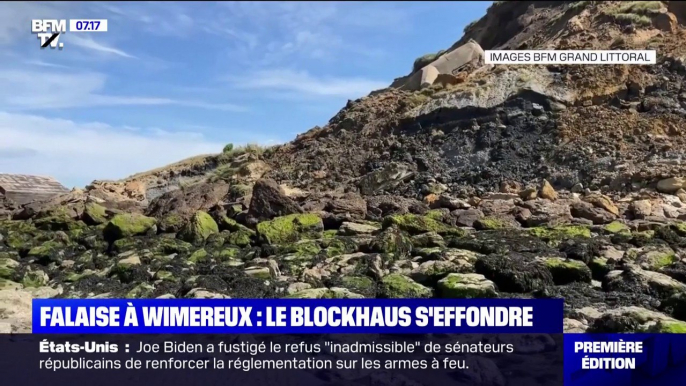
[535, 181]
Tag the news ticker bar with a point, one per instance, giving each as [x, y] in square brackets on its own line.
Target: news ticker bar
[552, 359]
[296, 316]
[587, 359]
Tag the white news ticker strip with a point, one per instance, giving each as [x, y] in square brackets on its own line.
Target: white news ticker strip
[87, 25]
[571, 56]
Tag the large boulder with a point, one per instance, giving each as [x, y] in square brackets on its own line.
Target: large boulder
[416, 224]
[641, 209]
[392, 240]
[603, 202]
[466, 217]
[401, 287]
[516, 272]
[467, 286]
[633, 279]
[588, 211]
[546, 212]
[199, 228]
[356, 229]
[671, 185]
[94, 214]
[547, 191]
[636, 319]
[7, 268]
[126, 225]
[269, 201]
[350, 206]
[291, 228]
[452, 203]
[430, 272]
[176, 207]
[497, 207]
[389, 176]
[568, 271]
[384, 205]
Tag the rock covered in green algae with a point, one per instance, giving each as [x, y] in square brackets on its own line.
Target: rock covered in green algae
[226, 223]
[59, 219]
[636, 319]
[428, 240]
[259, 272]
[301, 248]
[356, 229]
[198, 256]
[94, 214]
[399, 286]
[416, 224]
[228, 254]
[617, 227]
[141, 291]
[7, 268]
[340, 246]
[492, 223]
[359, 284]
[199, 228]
[466, 286]
[652, 257]
[562, 232]
[171, 223]
[291, 228]
[34, 278]
[241, 237]
[392, 240]
[49, 251]
[633, 279]
[325, 293]
[430, 272]
[216, 240]
[126, 225]
[568, 271]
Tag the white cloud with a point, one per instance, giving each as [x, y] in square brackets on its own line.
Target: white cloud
[77, 153]
[42, 63]
[88, 42]
[28, 90]
[301, 82]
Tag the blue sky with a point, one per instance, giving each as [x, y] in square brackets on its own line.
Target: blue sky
[173, 80]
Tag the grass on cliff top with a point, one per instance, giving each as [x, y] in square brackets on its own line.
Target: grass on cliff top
[230, 151]
[187, 163]
[581, 5]
[635, 12]
[227, 155]
[640, 7]
[225, 169]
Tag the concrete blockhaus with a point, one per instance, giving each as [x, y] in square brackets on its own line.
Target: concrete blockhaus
[452, 63]
[23, 189]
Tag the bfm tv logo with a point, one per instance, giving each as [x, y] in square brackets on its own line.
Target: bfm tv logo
[41, 27]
